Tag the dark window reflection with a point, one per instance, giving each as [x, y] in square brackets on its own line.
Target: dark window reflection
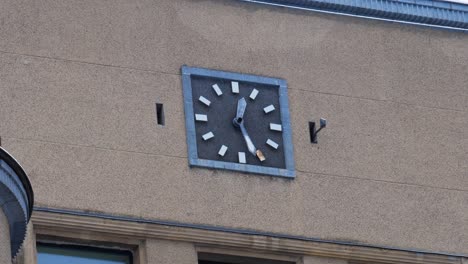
[52, 254]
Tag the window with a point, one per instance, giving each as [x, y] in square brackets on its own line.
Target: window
[210, 258]
[72, 254]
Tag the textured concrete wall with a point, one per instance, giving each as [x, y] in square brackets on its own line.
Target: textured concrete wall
[79, 81]
[5, 249]
[161, 251]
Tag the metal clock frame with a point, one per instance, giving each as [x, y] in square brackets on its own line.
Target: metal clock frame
[194, 160]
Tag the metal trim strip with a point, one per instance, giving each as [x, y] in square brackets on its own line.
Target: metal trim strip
[436, 14]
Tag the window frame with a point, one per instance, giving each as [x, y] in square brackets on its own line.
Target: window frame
[211, 253]
[90, 239]
[89, 248]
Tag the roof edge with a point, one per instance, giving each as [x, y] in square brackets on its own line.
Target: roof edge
[438, 14]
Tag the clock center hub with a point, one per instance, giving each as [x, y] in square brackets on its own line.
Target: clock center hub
[237, 121]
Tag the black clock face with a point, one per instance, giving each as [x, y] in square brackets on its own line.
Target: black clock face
[237, 122]
[219, 137]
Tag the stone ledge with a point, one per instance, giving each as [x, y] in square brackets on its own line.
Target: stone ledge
[45, 222]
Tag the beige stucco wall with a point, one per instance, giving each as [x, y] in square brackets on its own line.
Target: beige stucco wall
[163, 251]
[5, 248]
[320, 260]
[79, 80]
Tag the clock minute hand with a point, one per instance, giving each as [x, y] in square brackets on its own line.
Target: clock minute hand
[248, 141]
[252, 149]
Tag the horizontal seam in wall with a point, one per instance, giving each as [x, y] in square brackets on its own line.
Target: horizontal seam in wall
[94, 147]
[384, 181]
[178, 74]
[383, 100]
[89, 63]
[183, 157]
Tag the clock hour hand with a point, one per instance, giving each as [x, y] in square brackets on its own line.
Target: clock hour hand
[239, 122]
[241, 105]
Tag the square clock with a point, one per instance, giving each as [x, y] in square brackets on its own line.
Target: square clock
[237, 122]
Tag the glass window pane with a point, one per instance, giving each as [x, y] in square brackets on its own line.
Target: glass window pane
[52, 254]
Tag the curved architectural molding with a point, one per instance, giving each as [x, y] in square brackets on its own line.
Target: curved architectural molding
[56, 222]
[16, 198]
[422, 12]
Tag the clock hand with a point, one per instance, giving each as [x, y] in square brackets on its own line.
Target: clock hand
[247, 139]
[239, 122]
[241, 105]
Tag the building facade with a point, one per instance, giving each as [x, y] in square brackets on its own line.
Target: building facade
[92, 104]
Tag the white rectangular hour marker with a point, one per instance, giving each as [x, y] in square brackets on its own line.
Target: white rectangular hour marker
[235, 87]
[275, 127]
[217, 89]
[268, 109]
[242, 157]
[203, 118]
[272, 144]
[204, 100]
[253, 94]
[222, 150]
[208, 136]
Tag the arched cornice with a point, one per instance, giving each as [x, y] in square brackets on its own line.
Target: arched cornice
[16, 198]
